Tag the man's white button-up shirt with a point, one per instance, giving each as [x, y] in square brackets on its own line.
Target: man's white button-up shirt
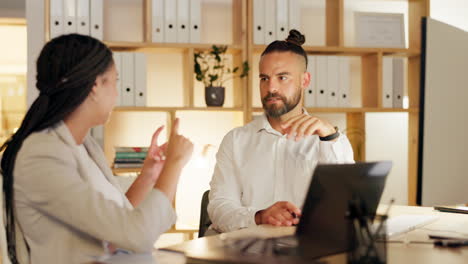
[257, 166]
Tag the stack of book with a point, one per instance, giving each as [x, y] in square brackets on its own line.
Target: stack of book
[129, 157]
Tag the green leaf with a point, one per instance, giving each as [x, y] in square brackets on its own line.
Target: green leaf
[213, 77]
[245, 69]
[197, 68]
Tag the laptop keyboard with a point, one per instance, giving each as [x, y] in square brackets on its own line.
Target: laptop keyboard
[266, 246]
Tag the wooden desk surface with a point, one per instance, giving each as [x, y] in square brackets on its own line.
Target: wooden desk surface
[398, 251]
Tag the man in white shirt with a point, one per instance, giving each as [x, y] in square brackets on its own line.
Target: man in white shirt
[264, 168]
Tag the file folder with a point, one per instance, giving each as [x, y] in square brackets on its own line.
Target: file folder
[82, 17]
[128, 79]
[259, 22]
[183, 14]
[294, 15]
[96, 18]
[270, 22]
[56, 18]
[170, 21]
[157, 30]
[332, 81]
[118, 67]
[344, 81]
[310, 92]
[140, 79]
[398, 82]
[195, 21]
[387, 82]
[69, 7]
[322, 90]
[282, 29]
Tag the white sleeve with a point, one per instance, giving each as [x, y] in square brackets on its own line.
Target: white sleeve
[50, 182]
[225, 209]
[339, 151]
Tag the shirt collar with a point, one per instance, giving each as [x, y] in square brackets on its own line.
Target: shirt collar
[262, 123]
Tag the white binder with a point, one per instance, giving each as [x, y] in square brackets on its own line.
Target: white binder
[96, 18]
[332, 81]
[387, 82]
[258, 22]
[322, 81]
[270, 22]
[82, 17]
[157, 33]
[183, 14]
[195, 21]
[69, 11]
[311, 90]
[170, 21]
[344, 81]
[56, 18]
[118, 67]
[398, 82]
[282, 27]
[140, 79]
[128, 79]
[294, 15]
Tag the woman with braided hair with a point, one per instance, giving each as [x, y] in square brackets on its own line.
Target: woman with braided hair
[58, 189]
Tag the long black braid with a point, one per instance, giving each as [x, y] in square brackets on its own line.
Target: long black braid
[67, 69]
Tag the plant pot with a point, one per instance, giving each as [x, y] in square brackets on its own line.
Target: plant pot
[214, 96]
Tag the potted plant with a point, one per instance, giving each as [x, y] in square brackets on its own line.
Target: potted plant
[212, 70]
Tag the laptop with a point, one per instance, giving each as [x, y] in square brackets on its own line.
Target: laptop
[325, 227]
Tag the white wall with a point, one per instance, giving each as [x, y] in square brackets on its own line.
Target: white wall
[452, 12]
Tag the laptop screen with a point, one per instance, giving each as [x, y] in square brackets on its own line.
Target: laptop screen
[325, 227]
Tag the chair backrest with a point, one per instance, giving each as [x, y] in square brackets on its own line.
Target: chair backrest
[205, 221]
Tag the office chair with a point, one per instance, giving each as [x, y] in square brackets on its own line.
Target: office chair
[205, 221]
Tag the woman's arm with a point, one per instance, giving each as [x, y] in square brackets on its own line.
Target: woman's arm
[158, 172]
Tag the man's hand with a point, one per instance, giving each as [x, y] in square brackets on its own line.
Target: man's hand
[305, 125]
[279, 214]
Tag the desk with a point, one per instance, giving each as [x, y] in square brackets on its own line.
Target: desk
[397, 252]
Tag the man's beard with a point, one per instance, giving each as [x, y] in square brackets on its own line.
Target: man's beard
[276, 111]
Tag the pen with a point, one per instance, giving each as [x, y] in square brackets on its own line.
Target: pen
[451, 243]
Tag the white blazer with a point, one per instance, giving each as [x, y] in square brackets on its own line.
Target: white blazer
[63, 217]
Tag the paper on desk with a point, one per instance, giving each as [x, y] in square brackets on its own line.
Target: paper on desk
[454, 229]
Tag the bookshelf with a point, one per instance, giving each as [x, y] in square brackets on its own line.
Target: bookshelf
[371, 77]
[241, 48]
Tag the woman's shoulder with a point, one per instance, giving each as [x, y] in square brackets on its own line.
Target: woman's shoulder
[43, 143]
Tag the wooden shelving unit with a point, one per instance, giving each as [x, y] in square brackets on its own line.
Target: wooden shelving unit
[243, 49]
[371, 78]
[353, 51]
[371, 73]
[175, 109]
[353, 110]
[167, 47]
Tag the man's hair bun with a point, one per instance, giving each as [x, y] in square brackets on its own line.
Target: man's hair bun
[295, 37]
